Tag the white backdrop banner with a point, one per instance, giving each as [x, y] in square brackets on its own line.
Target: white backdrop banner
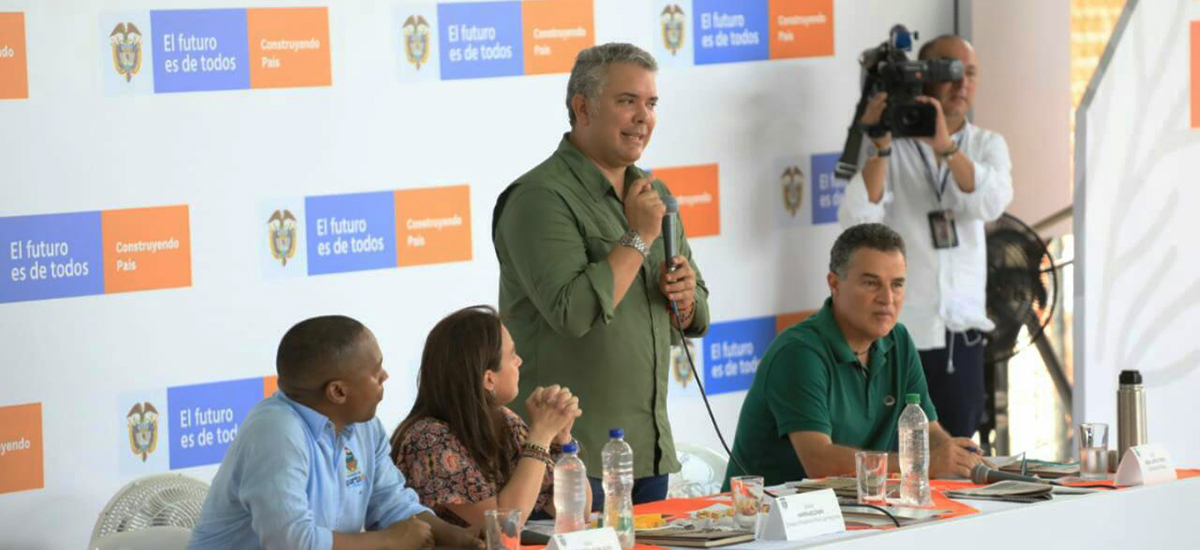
[1137, 290]
[183, 181]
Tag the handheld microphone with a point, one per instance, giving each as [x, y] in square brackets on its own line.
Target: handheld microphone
[668, 229]
[982, 475]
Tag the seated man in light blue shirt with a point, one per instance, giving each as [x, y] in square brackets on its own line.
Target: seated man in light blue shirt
[310, 467]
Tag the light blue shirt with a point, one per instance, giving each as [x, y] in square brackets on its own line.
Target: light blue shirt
[288, 481]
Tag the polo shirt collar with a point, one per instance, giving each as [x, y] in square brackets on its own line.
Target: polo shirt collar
[828, 329]
[315, 421]
[588, 173]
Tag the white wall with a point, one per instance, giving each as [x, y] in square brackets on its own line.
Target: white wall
[1023, 48]
[72, 147]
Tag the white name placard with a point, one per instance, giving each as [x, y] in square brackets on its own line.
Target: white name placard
[591, 539]
[1145, 465]
[802, 516]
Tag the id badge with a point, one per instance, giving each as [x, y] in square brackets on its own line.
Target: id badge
[943, 229]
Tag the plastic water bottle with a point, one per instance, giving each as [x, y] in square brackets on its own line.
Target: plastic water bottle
[570, 493]
[914, 454]
[617, 458]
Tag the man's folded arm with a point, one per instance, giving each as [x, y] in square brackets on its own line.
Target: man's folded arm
[993, 183]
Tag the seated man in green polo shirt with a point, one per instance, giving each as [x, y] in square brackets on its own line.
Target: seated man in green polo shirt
[835, 383]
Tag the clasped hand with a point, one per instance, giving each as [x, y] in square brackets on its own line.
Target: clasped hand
[552, 412]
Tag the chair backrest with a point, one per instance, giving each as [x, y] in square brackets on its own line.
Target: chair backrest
[703, 470]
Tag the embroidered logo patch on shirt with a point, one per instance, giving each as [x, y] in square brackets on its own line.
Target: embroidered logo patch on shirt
[354, 475]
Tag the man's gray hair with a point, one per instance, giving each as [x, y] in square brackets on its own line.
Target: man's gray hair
[865, 235]
[591, 69]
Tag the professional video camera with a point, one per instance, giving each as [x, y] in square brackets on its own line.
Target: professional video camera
[886, 68]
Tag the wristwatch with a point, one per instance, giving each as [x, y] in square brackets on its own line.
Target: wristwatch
[873, 151]
[634, 241]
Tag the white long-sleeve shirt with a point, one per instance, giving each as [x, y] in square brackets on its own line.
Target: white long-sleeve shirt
[945, 287]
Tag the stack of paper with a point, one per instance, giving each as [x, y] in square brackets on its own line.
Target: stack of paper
[1008, 491]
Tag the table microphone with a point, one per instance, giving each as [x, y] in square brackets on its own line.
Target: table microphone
[668, 229]
[982, 475]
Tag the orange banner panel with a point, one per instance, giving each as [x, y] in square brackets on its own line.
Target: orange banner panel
[21, 456]
[801, 28]
[784, 321]
[14, 72]
[146, 248]
[433, 225]
[289, 47]
[555, 31]
[1194, 93]
[697, 190]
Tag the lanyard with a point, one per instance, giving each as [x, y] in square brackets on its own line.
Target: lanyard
[929, 169]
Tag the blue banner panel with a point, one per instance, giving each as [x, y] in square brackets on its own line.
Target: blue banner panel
[204, 419]
[480, 40]
[197, 50]
[827, 190]
[50, 256]
[729, 31]
[354, 232]
[732, 351]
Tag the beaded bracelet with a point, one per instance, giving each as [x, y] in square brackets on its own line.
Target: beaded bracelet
[536, 452]
[545, 459]
[534, 447]
[687, 315]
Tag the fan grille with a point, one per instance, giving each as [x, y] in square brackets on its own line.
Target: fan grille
[160, 500]
[1021, 290]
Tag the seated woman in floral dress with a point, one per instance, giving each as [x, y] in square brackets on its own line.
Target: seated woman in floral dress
[460, 448]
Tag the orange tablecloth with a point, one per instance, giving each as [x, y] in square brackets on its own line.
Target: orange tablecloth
[674, 507]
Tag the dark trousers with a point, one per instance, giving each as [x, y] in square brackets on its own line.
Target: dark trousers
[646, 489]
[958, 396]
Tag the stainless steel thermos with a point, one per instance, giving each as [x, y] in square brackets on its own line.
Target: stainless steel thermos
[1131, 412]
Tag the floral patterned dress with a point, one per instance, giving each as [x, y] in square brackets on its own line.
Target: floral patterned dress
[440, 469]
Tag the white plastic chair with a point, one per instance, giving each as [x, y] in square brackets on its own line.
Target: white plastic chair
[702, 473]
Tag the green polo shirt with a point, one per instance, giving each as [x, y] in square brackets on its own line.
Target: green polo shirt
[809, 380]
[553, 230]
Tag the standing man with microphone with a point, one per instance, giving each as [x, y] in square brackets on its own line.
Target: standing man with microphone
[585, 286]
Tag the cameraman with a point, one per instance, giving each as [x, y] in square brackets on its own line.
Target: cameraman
[938, 192]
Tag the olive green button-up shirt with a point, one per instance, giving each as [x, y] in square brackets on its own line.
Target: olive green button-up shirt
[553, 229]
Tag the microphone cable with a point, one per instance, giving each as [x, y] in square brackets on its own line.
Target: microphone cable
[846, 501]
[678, 324]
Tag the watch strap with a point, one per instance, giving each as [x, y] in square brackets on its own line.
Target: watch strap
[633, 240]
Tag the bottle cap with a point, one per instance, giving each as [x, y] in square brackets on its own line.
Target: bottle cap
[570, 448]
[912, 398]
[616, 432]
[1129, 377]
